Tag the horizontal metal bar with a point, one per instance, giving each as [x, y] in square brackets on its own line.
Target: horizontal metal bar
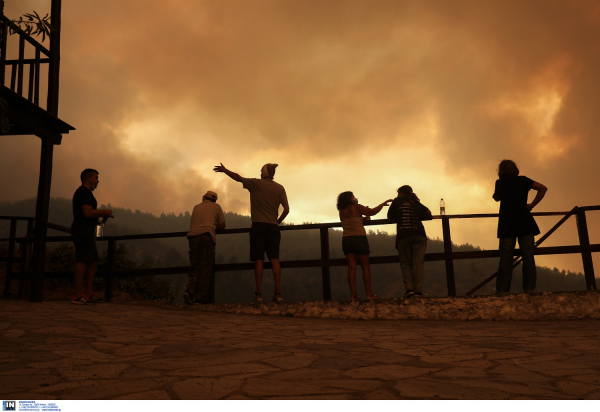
[16, 217]
[26, 61]
[316, 263]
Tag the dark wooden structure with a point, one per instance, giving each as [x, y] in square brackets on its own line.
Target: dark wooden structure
[29, 117]
[325, 262]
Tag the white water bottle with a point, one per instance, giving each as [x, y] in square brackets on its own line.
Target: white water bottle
[100, 229]
[442, 207]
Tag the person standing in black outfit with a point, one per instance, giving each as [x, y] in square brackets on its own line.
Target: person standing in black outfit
[83, 229]
[411, 241]
[516, 222]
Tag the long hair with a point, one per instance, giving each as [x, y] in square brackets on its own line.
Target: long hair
[344, 200]
[407, 191]
[507, 168]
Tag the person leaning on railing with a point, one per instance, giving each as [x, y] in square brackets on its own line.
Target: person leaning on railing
[516, 222]
[354, 240]
[411, 240]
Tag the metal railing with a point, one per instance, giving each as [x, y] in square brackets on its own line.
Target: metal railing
[325, 262]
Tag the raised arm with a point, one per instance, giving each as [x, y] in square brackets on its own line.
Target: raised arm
[233, 175]
[541, 192]
[363, 210]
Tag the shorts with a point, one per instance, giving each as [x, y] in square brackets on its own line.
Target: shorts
[264, 238]
[85, 244]
[355, 244]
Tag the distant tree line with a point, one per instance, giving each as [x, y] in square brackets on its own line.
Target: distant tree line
[297, 284]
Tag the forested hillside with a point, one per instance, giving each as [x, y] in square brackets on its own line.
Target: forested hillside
[297, 284]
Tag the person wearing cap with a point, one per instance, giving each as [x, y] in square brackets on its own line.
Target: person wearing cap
[207, 218]
[265, 198]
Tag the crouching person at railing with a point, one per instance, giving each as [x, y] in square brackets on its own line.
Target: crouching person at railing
[411, 240]
[516, 222]
[354, 240]
[83, 229]
[207, 217]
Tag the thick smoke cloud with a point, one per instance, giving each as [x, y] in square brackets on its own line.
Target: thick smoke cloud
[161, 91]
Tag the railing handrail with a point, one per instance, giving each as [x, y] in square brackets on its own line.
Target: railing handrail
[27, 37]
[448, 255]
[284, 227]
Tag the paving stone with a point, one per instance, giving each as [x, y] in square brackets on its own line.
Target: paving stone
[149, 395]
[437, 359]
[380, 394]
[261, 387]
[462, 373]
[95, 371]
[224, 370]
[576, 388]
[292, 361]
[358, 385]
[206, 388]
[131, 350]
[13, 333]
[388, 372]
[431, 389]
[592, 378]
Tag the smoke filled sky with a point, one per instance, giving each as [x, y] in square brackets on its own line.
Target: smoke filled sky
[343, 95]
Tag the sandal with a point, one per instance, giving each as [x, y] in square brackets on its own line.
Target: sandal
[374, 297]
[355, 298]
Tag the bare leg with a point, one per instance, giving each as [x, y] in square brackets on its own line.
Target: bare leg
[79, 274]
[366, 272]
[258, 274]
[90, 272]
[276, 274]
[351, 259]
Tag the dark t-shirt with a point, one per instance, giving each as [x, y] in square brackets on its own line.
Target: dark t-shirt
[83, 196]
[407, 216]
[515, 219]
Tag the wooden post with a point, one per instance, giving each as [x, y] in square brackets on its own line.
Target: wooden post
[448, 253]
[586, 255]
[25, 259]
[54, 67]
[21, 65]
[10, 255]
[3, 36]
[41, 219]
[109, 280]
[325, 273]
[211, 289]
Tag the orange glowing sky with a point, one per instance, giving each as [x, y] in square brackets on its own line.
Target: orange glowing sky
[343, 95]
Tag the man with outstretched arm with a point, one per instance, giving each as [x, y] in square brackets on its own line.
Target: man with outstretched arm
[265, 198]
[83, 229]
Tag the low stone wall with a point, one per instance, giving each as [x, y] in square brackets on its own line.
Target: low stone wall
[544, 306]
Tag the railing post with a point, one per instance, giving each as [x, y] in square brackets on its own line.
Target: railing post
[448, 255]
[109, 280]
[10, 256]
[3, 36]
[25, 259]
[325, 273]
[586, 255]
[211, 289]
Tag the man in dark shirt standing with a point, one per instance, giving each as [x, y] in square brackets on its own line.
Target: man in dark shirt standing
[83, 229]
[515, 222]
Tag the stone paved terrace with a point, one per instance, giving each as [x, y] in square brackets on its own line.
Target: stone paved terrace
[55, 350]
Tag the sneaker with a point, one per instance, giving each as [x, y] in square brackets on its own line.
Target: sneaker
[408, 294]
[420, 294]
[80, 301]
[95, 299]
[258, 297]
[188, 298]
[277, 297]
